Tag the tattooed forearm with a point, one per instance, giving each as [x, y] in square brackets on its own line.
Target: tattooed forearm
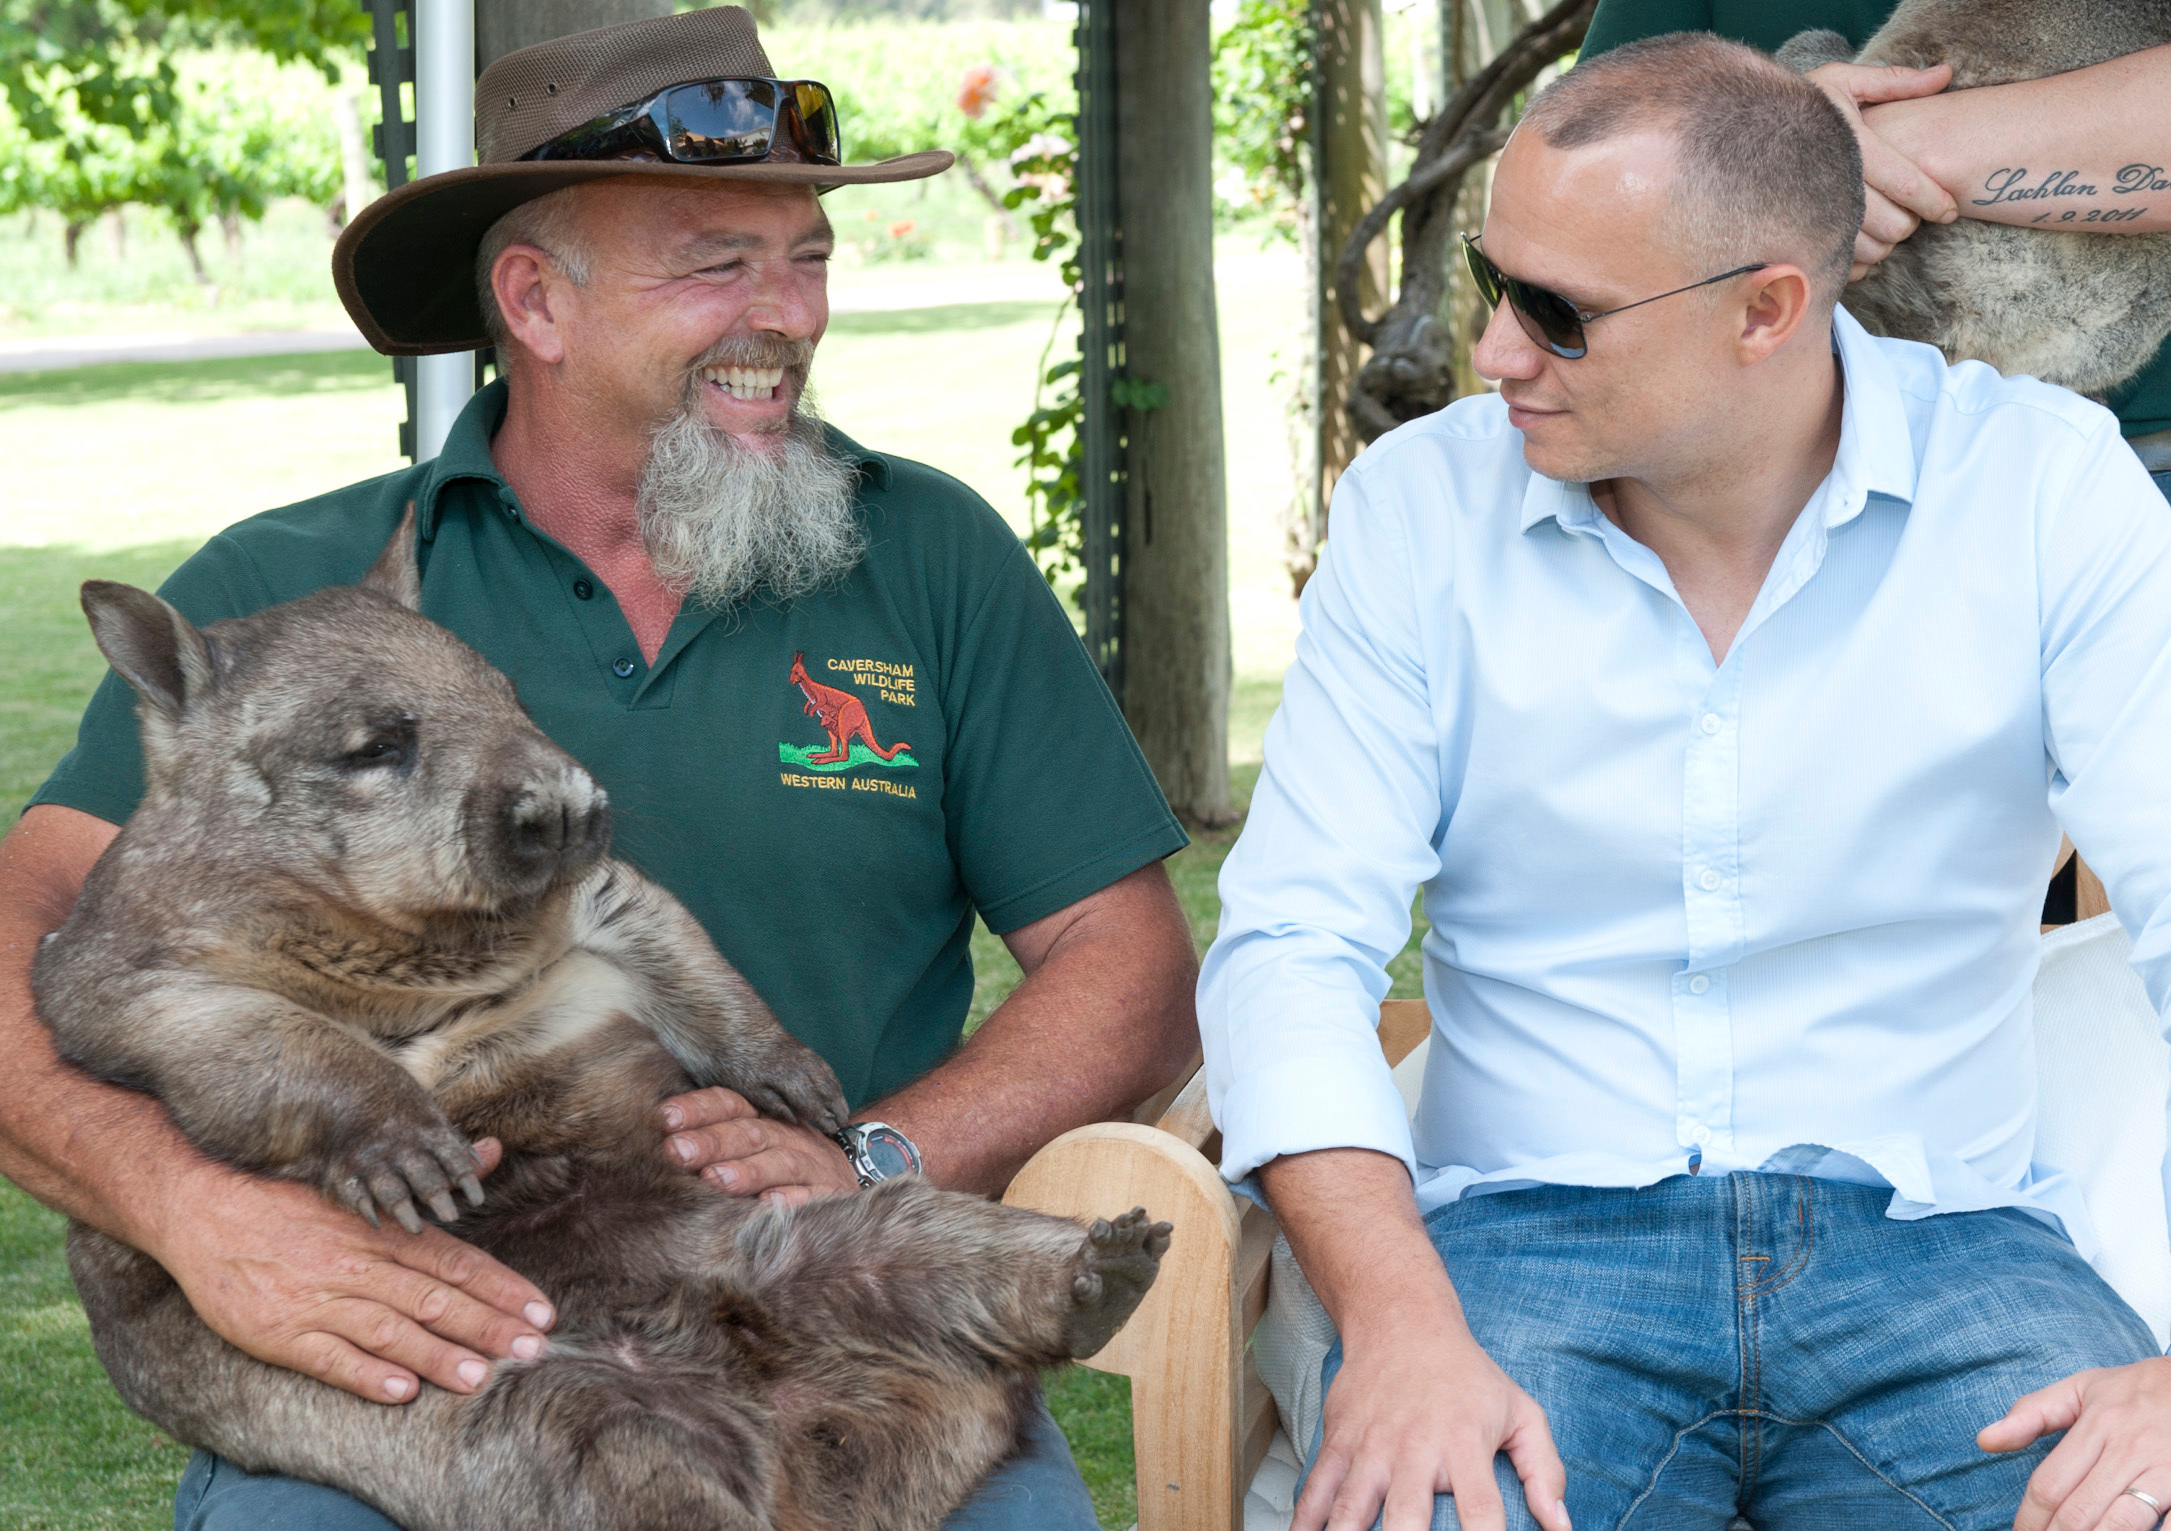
[2011, 183]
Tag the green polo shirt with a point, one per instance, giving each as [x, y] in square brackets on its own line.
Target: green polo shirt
[843, 889]
[2142, 403]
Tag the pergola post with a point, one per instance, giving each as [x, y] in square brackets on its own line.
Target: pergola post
[444, 33]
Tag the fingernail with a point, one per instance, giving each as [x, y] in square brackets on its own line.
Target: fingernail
[539, 1314]
[673, 1117]
[471, 1372]
[1562, 1507]
[396, 1388]
[527, 1347]
[684, 1148]
[726, 1177]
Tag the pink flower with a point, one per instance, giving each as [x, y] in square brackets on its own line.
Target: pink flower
[901, 228]
[978, 91]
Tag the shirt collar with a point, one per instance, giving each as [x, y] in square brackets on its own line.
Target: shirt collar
[1876, 455]
[466, 456]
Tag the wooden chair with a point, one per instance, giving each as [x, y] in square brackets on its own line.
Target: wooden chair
[1201, 1420]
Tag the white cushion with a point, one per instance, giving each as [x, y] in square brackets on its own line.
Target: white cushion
[2103, 1075]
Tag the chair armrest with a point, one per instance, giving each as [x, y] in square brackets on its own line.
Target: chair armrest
[1200, 1421]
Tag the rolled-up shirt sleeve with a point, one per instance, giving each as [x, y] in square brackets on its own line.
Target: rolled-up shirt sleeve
[1343, 829]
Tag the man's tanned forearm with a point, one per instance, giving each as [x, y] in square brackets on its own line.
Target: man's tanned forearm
[99, 1153]
[2087, 151]
[1103, 1019]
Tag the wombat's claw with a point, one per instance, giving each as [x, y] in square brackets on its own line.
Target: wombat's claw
[406, 1163]
[1110, 1276]
[471, 1188]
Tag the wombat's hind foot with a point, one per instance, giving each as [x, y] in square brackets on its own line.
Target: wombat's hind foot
[1113, 1269]
[401, 1163]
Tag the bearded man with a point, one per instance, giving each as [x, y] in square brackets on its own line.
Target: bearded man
[831, 698]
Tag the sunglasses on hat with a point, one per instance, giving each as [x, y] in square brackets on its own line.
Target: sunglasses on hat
[1547, 317]
[713, 122]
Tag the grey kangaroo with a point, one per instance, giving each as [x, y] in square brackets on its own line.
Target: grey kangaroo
[364, 915]
[2082, 309]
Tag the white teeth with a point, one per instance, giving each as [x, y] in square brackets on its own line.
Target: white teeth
[746, 382]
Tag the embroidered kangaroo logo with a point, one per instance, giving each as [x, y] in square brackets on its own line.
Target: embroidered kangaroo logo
[843, 717]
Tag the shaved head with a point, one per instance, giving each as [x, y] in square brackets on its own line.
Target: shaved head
[1765, 167]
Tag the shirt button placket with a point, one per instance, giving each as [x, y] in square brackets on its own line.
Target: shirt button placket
[1711, 891]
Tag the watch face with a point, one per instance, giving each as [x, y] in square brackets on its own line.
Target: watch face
[887, 1154]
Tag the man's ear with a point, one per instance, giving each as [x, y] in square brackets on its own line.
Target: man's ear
[1777, 302]
[149, 644]
[521, 279]
[395, 575]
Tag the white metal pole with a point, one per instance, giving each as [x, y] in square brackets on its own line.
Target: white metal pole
[444, 140]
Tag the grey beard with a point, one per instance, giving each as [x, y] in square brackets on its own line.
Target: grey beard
[730, 521]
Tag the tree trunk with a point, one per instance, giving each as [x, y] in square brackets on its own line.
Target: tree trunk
[353, 154]
[1175, 521]
[70, 237]
[504, 25]
[1352, 176]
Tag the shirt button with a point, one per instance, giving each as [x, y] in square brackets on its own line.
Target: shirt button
[1700, 1137]
[583, 589]
[1710, 879]
[624, 668]
[1711, 723]
[1699, 984]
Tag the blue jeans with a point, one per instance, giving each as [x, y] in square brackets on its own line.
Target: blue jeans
[1774, 1347]
[1037, 1490]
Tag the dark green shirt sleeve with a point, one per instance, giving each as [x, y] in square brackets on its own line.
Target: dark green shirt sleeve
[1763, 24]
[1047, 799]
[1624, 21]
[103, 775]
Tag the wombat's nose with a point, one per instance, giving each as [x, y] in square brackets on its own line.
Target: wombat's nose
[558, 825]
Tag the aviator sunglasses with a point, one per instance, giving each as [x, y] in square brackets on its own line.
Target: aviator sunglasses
[713, 122]
[1547, 317]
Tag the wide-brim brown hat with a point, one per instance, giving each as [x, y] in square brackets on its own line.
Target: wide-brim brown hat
[405, 267]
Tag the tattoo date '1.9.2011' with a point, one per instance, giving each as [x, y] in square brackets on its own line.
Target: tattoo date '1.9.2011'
[2095, 215]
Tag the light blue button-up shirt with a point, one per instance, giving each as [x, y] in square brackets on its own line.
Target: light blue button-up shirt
[1776, 913]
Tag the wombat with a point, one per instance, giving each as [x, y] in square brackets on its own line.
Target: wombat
[2082, 309]
[363, 915]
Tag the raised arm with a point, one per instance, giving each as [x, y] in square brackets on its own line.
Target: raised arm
[267, 1264]
[2086, 150]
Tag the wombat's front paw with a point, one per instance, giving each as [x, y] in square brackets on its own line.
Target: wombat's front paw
[401, 1163]
[793, 1084]
[1109, 1276]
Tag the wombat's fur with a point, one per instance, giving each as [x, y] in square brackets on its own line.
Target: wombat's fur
[362, 916]
[2080, 309]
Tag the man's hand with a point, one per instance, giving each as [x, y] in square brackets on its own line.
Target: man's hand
[1418, 1413]
[2118, 1436]
[1898, 196]
[279, 1273]
[715, 1134]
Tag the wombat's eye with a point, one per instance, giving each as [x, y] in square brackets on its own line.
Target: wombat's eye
[389, 744]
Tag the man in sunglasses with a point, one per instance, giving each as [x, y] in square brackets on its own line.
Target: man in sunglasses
[830, 695]
[1715, 683]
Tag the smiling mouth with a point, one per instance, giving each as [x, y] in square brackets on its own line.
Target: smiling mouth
[752, 384]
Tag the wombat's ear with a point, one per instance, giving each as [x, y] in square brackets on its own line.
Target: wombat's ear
[150, 644]
[395, 575]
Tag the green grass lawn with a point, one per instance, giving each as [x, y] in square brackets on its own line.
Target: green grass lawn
[118, 472]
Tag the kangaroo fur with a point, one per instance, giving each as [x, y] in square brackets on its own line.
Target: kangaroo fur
[2083, 310]
[363, 916]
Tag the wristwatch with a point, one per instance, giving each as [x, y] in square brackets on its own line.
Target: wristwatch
[878, 1151]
